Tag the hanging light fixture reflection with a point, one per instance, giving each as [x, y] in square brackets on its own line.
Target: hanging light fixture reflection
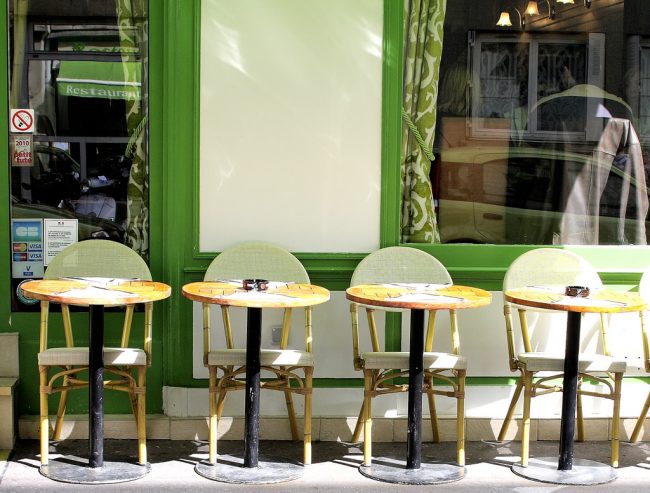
[504, 20]
[531, 8]
[566, 1]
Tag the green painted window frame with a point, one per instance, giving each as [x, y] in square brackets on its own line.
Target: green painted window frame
[184, 262]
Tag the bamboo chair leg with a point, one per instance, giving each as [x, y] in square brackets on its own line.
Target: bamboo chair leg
[580, 419]
[293, 423]
[60, 414]
[307, 426]
[45, 422]
[616, 418]
[214, 419]
[511, 410]
[639, 422]
[356, 435]
[460, 419]
[367, 418]
[525, 435]
[141, 418]
[133, 398]
[221, 401]
[432, 412]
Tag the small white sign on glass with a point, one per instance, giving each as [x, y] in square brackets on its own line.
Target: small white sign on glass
[59, 233]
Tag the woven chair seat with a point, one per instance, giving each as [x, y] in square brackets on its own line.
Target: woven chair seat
[78, 356]
[400, 361]
[268, 357]
[586, 362]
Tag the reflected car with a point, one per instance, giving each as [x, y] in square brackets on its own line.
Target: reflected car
[90, 227]
[515, 195]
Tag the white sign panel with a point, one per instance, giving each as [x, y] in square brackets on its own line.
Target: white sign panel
[291, 149]
[21, 121]
[59, 233]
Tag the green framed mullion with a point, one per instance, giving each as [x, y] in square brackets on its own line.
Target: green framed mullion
[390, 211]
[180, 61]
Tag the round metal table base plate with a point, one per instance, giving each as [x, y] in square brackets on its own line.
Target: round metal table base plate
[76, 470]
[230, 469]
[584, 472]
[394, 471]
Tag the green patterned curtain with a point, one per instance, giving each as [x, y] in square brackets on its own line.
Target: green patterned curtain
[422, 53]
[20, 32]
[132, 21]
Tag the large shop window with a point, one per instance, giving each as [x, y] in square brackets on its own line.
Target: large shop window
[542, 133]
[77, 129]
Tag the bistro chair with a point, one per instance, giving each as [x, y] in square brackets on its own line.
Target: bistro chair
[551, 266]
[60, 368]
[226, 366]
[644, 291]
[381, 368]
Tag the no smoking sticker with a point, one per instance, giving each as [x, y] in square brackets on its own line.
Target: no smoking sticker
[21, 121]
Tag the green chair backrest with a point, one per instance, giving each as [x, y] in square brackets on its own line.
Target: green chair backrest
[400, 264]
[257, 260]
[98, 258]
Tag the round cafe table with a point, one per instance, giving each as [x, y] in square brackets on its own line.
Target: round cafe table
[254, 469]
[95, 293]
[564, 469]
[417, 298]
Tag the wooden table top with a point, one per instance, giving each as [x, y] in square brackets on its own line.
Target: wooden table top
[598, 301]
[95, 291]
[278, 294]
[419, 296]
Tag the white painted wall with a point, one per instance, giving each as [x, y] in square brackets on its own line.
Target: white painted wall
[291, 123]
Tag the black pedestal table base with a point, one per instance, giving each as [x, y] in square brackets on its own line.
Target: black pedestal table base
[231, 469]
[75, 470]
[395, 471]
[584, 472]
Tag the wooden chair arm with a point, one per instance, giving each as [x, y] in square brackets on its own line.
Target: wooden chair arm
[206, 332]
[45, 312]
[148, 331]
[644, 340]
[512, 357]
[309, 338]
[354, 314]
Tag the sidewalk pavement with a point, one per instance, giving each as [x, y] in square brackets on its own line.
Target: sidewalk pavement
[334, 467]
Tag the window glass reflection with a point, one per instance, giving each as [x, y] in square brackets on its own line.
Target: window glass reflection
[81, 67]
[542, 131]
